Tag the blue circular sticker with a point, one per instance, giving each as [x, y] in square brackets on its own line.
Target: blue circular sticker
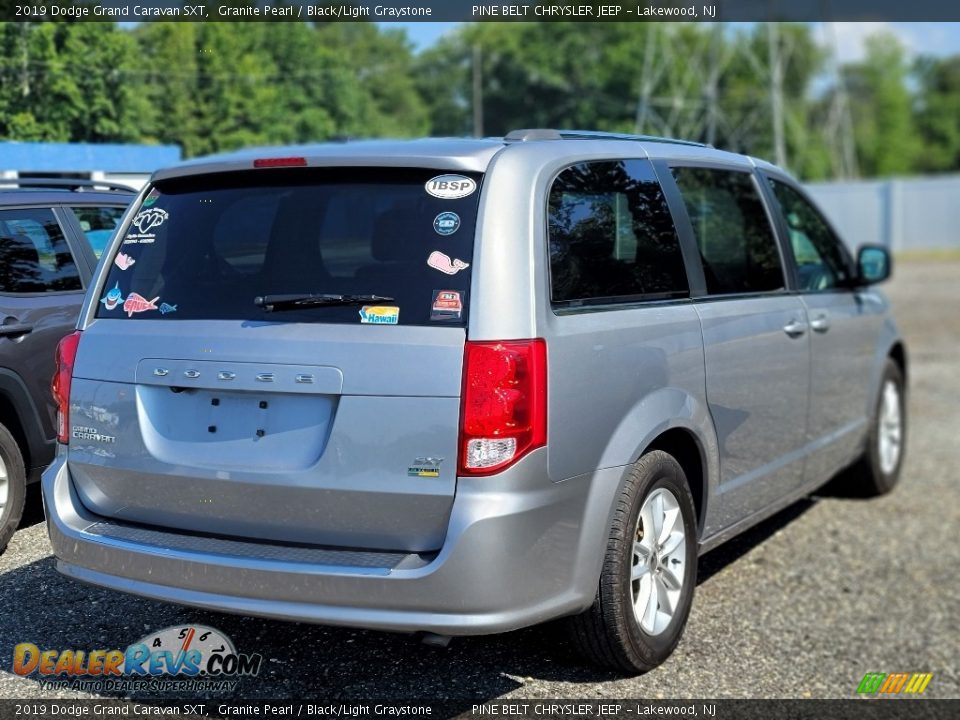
[446, 223]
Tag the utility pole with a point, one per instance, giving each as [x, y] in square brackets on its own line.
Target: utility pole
[776, 93]
[477, 91]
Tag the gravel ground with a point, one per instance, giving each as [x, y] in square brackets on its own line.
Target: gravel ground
[801, 606]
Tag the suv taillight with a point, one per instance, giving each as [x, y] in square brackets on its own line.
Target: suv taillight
[66, 354]
[503, 411]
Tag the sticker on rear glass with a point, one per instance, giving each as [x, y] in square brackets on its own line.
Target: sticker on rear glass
[450, 187]
[447, 305]
[379, 314]
[137, 303]
[166, 308]
[443, 263]
[123, 261]
[446, 223]
[425, 467]
[112, 298]
[150, 199]
[147, 220]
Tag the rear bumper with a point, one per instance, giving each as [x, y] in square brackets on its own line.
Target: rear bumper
[519, 550]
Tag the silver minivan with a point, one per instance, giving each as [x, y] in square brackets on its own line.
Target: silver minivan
[590, 358]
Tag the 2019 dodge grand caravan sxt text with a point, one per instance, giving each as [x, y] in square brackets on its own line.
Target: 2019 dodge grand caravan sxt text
[465, 386]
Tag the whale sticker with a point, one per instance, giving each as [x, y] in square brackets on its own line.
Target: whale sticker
[443, 263]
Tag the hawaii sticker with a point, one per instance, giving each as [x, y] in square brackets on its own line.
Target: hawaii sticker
[379, 314]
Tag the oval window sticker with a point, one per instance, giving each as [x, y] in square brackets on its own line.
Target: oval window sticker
[450, 187]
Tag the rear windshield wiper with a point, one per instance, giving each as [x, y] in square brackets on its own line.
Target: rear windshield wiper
[272, 303]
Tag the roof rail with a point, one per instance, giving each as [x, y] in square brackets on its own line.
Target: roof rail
[549, 134]
[74, 184]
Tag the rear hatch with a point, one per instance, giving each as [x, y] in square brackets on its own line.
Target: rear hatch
[276, 354]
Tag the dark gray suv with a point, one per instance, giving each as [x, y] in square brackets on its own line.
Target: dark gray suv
[52, 232]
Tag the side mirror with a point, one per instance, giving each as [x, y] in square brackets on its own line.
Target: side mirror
[873, 264]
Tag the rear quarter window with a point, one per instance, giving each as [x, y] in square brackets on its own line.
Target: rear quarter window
[611, 236]
[206, 247]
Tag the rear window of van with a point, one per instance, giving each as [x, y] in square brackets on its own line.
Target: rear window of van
[221, 246]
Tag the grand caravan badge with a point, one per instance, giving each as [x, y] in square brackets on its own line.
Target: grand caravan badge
[79, 432]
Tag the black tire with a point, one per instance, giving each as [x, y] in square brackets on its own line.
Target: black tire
[866, 477]
[16, 481]
[608, 633]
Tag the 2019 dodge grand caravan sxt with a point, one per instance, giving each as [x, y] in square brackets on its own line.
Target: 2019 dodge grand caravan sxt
[464, 386]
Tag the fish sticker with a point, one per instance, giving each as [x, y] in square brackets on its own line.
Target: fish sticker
[146, 220]
[443, 263]
[379, 314]
[137, 303]
[167, 308]
[112, 298]
[123, 261]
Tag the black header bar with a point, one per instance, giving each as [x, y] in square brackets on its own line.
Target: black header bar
[478, 11]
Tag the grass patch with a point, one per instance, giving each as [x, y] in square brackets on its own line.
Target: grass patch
[922, 255]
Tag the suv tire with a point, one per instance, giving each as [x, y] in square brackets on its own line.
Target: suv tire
[878, 469]
[13, 486]
[647, 582]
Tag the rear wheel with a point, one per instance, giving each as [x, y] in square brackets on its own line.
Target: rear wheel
[646, 586]
[13, 486]
[878, 470]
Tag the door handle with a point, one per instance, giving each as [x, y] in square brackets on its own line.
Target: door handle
[14, 329]
[820, 324]
[795, 328]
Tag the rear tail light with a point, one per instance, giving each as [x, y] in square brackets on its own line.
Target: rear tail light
[504, 404]
[66, 354]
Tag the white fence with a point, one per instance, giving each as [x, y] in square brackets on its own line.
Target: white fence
[914, 214]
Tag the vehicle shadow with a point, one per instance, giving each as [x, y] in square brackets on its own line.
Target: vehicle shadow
[716, 560]
[33, 508]
[300, 660]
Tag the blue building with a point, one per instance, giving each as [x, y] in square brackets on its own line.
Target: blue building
[128, 164]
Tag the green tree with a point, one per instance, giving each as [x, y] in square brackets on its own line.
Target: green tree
[882, 108]
[938, 113]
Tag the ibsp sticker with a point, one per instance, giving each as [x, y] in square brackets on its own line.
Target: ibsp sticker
[443, 263]
[446, 223]
[447, 305]
[123, 261]
[137, 303]
[146, 220]
[425, 467]
[450, 187]
[113, 298]
[379, 314]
